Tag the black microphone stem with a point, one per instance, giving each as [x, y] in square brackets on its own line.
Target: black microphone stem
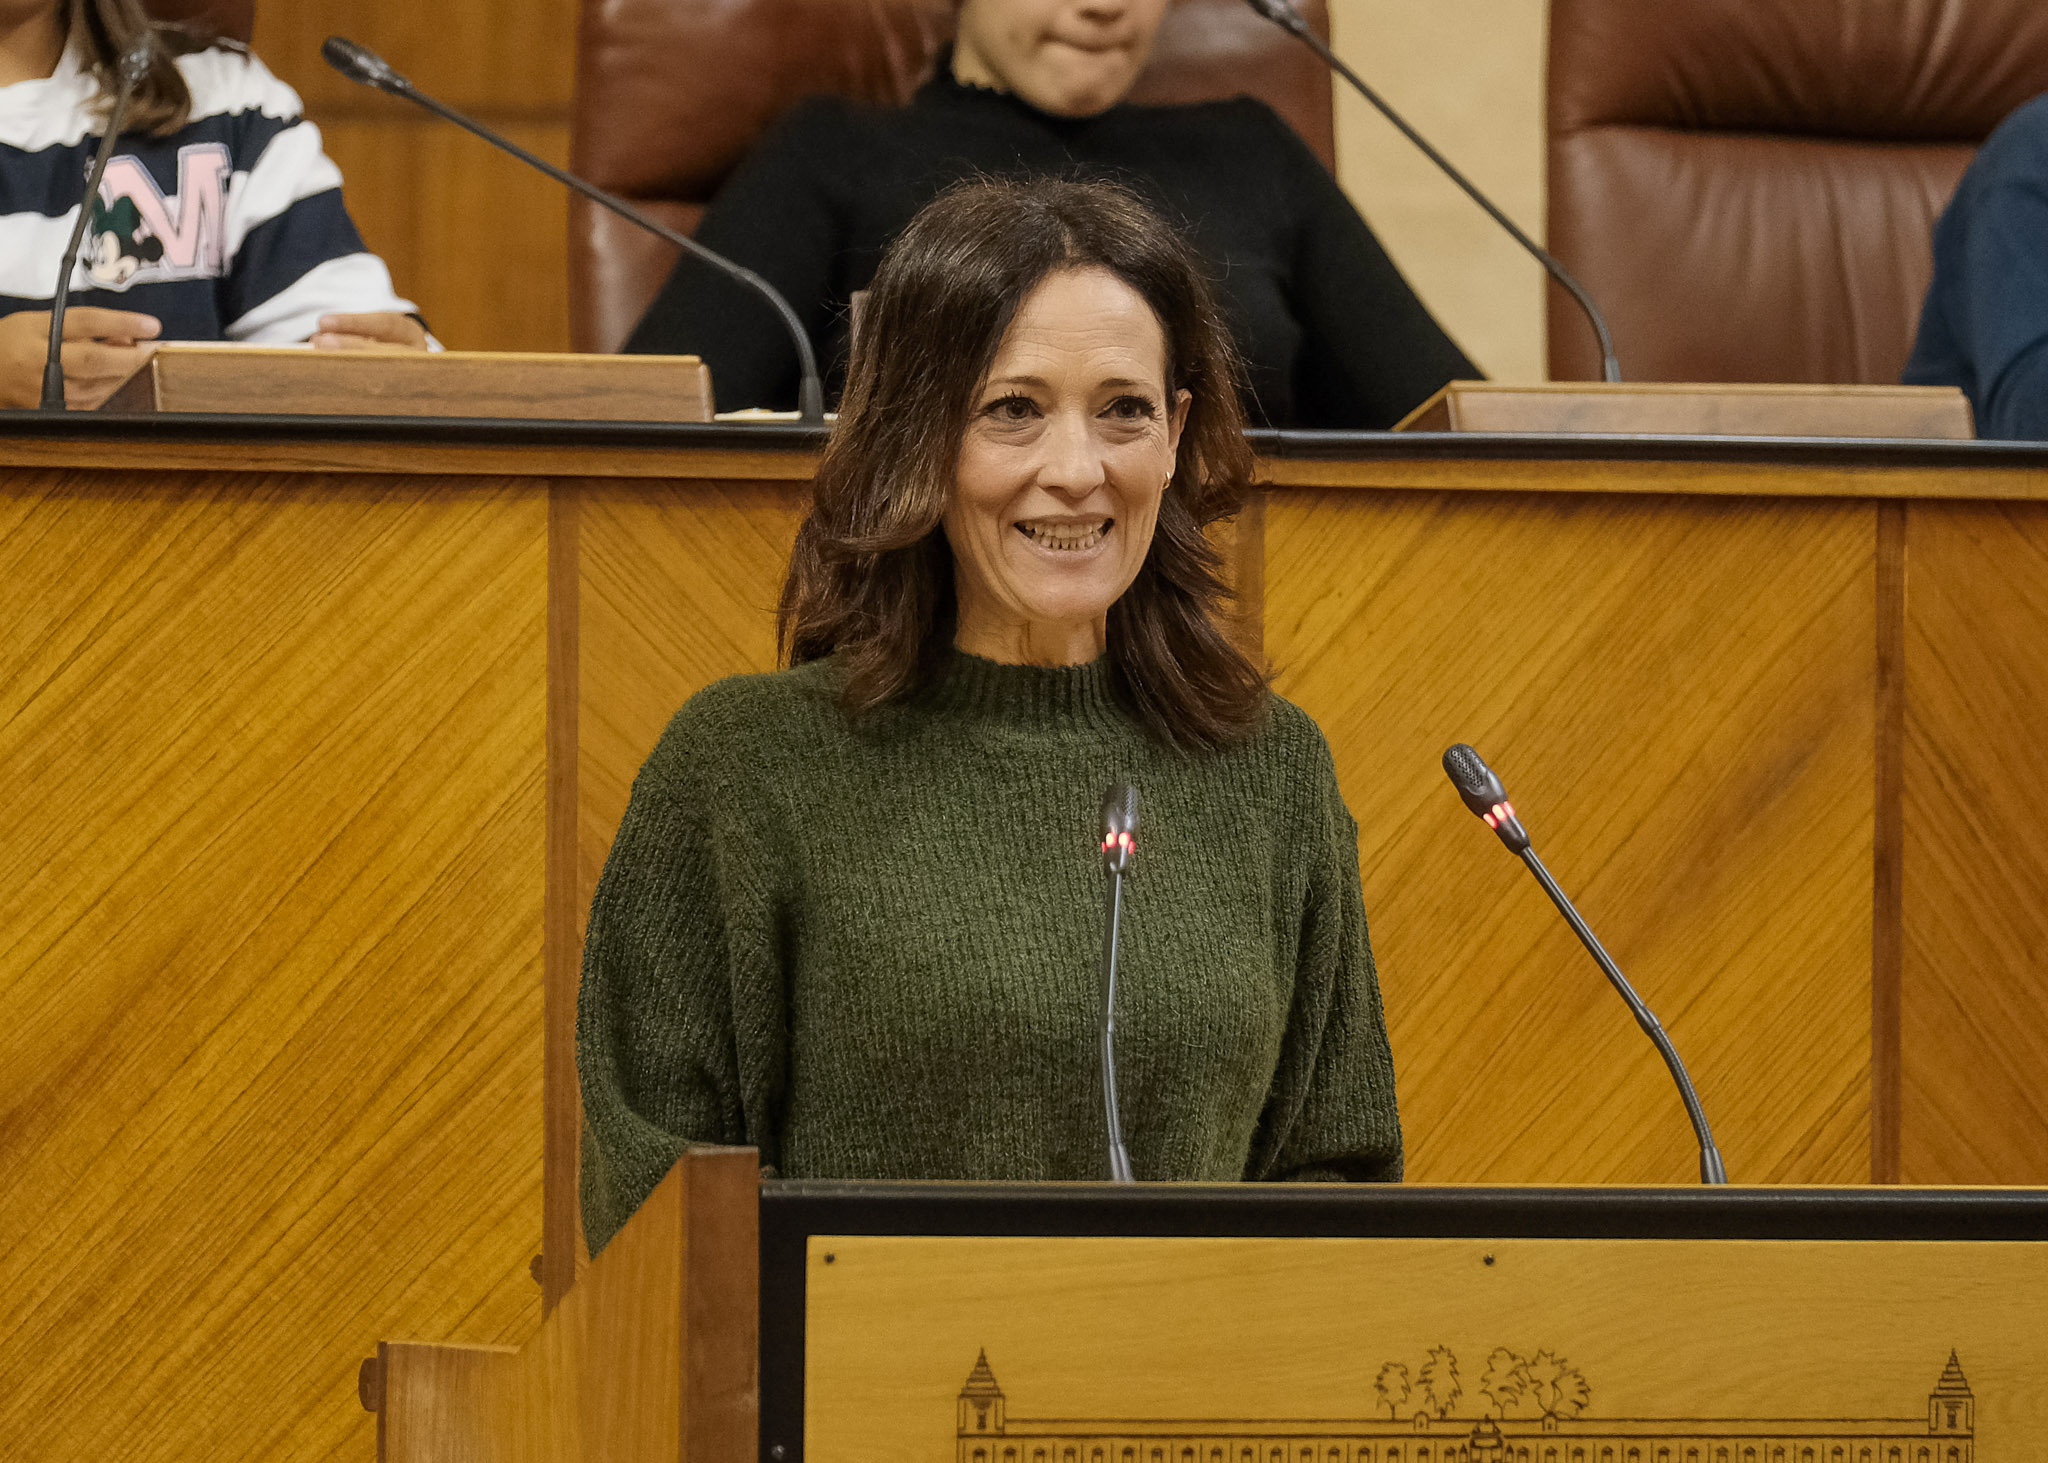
[1119, 1159]
[1283, 14]
[1711, 1170]
[810, 390]
[53, 360]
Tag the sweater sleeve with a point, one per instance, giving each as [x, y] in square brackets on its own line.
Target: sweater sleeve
[1331, 1115]
[680, 1027]
[775, 216]
[2000, 288]
[294, 253]
[1371, 352]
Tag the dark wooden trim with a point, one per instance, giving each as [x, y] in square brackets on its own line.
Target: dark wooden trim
[1888, 847]
[562, 919]
[721, 1383]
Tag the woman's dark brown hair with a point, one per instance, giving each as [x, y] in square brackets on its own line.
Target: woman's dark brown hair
[105, 29]
[871, 577]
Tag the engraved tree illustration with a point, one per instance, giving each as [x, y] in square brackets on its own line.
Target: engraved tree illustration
[1506, 1381]
[1439, 1382]
[1556, 1386]
[1393, 1387]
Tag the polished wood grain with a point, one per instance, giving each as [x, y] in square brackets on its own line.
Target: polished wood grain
[653, 1357]
[270, 985]
[1278, 1343]
[1699, 410]
[1679, 697]
[555, 386]
[1974, 985]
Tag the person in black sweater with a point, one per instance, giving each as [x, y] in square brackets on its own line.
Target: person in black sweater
[1331, 333]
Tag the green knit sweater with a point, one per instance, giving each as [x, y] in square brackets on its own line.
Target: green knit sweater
[872, 950]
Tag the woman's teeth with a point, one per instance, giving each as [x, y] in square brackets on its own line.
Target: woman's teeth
[1066, 537]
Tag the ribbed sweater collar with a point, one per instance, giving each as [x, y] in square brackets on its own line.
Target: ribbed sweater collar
[1047, 698]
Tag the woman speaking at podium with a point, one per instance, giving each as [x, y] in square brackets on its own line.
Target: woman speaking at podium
[1331, 334]
[219, 216]
[853, 914]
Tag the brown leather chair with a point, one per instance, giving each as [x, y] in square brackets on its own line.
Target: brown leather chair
[670, 94]
[235, 19]
[1749, 187]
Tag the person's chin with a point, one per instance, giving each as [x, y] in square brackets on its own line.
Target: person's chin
[1101, 88]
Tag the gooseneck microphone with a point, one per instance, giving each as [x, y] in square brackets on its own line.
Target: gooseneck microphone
[1119, 831]
[1484, 795]
[128, 75]
[360, 63]
[1283, 14]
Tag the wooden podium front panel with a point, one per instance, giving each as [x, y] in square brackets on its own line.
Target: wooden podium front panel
[1007, 1350]
[1974, 982]
[1679, 694]
[270, 940]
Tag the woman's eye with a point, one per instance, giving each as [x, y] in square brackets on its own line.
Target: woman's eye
[1132, 409]
[1011, 409]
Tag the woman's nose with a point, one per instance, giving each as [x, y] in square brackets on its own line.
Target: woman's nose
[1073, 461]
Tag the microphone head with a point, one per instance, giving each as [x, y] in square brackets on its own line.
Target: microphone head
[1483, 794]
[135, 61]
[1119, 827]
[1282, 13]
[360, 63]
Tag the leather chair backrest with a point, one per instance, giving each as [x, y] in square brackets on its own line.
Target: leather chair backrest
[235, 19]
[670, 94]
[1749, 187]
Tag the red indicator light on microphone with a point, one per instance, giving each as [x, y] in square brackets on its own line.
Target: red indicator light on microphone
[1489, 820]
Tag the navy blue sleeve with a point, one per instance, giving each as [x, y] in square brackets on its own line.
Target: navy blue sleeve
[1985, 324]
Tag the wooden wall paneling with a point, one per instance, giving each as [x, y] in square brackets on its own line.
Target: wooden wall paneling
[498, 56]
[678, 589]
[1974, 984]
[1679, 695]
[494, 240]
[477, 239]
[270, 983]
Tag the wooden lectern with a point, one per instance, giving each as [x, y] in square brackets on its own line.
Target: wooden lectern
[1198, 1323]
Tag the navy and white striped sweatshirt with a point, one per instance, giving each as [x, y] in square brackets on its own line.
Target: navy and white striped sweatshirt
[231, 228]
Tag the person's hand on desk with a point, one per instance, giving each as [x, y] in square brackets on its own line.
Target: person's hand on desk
[379, 330]
[102, 348]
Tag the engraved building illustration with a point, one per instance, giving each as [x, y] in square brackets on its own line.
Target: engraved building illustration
[1945, 1433]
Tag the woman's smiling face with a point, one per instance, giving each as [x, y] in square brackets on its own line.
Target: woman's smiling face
[1068, 451]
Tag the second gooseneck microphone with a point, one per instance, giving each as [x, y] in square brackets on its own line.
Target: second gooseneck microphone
[1119, 846]
[1283, 14]
[1485, 796]
[360, 63]
[134, 66]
